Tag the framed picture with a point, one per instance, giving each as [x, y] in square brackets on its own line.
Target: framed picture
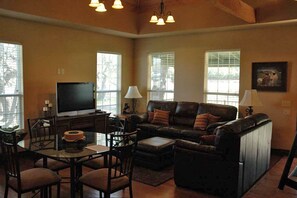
[269, 76]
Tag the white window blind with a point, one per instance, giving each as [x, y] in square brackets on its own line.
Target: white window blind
[109, 82]
[222, 77]
[161, 76]
[11, 85]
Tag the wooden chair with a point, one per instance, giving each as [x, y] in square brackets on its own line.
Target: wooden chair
[27, 180]
[117, 175]
[43, 132]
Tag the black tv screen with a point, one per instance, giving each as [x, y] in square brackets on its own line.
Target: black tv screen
[75, 98]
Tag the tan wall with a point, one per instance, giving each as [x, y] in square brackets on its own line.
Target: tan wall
[47, 48]
[256, 45]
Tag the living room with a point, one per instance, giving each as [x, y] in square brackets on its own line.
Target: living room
[55, 36]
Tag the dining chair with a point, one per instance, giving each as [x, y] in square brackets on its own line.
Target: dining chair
[117, 175]
[26, 180]
[115, 127]
[43, 133]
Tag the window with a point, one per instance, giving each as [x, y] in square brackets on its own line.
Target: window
[11, 85]
[109, 82]
[222, 77]
[161, 76]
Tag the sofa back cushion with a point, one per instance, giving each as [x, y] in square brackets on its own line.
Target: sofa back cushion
[163, 105]
[185, 113]
[225, 112]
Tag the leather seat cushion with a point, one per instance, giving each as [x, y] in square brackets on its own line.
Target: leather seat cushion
[155, 144]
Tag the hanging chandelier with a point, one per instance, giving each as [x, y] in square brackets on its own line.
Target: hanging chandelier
[100, 7]
[159, 19]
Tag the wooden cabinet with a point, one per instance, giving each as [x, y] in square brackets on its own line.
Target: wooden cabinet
[97, 122]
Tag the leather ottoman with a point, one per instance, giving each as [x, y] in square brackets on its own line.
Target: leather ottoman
[154, 153]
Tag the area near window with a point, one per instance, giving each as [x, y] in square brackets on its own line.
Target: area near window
[11, 85]
[161, 76]
[108, 82]
[222, 77]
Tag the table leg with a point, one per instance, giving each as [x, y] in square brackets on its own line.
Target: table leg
[72, 178]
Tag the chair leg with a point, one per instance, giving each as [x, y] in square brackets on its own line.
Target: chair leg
[58, 190]
[6, 191]
[50, 191]
[130, 191]
[19, 195]
[81, 190]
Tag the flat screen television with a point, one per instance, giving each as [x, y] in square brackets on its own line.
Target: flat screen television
[75, 98]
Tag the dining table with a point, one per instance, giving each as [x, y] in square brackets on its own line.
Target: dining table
[92, 145]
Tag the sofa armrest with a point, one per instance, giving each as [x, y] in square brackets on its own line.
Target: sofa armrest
[194, 146]
[137, 119]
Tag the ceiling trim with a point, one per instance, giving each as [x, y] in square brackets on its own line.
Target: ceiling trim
[72, 25]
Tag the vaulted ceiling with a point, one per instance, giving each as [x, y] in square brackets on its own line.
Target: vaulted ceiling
[133, 20]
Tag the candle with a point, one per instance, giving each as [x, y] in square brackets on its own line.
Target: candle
[44, 108]
[50, 105]
[46, 101]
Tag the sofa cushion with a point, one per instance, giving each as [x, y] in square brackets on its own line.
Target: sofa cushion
[148, 126]
[185, 113]
[201, 121]
[192, 134]
[208, 139]
[170, 131]
[226, 112]
[161, 117]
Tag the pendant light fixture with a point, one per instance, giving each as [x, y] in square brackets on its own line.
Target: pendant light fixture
[159, 18]
[100, 7]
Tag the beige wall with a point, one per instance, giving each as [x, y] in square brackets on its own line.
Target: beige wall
[47, 48]
[277, 43]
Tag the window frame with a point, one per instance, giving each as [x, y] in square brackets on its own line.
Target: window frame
[119, 77]
[217, 94]
[150, 64]
[19, 112]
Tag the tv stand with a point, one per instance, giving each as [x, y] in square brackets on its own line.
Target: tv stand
[96, 122]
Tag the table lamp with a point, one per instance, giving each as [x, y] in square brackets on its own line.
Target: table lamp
[133, 94]
[250, 99]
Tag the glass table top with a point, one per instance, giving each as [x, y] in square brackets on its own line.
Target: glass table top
[56, 147]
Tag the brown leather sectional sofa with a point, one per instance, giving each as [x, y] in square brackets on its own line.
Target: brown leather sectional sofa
[181, 119]
[238, 157]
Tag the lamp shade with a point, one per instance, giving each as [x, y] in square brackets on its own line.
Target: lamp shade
[117, 4]
[101, 8]
[133, 92]
[250, 98]
[94, 3]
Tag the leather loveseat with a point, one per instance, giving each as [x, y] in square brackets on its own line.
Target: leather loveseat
[238, 156]
[181, 119]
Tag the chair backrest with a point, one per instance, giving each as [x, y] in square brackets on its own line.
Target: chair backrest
[42, 129]
[8, 141]
[122, 147]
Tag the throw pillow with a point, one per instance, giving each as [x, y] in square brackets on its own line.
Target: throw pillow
[201, 121]
[208, 139]
[161, 117]
[150, 116]
[213, 118]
